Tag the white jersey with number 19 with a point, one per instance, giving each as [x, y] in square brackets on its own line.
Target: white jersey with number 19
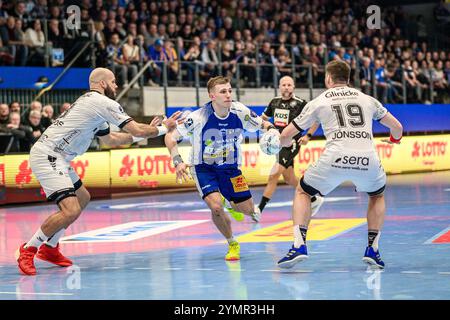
[346, 116]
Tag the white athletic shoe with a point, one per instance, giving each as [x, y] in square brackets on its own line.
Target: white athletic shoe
[256, 216]
[315, 206]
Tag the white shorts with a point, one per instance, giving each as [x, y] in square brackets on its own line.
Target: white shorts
[363, 169]
[55, 174]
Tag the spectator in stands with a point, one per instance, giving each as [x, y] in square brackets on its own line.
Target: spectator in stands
[47, 116]
[15, 107]
[16, 130]
[283, 63]
[210, 60]
[34, 106]
[20, 13]
[34, 120]
[266, 59]
[366, 75]
[131, 58]
[12, 37]
[40, 10]
[248, 67]
[55, 34]
[192, 56]
[439, 82]
[111, 28]
[228, 60]
[171, 58]
[381, 81]
[4, 113]
[35, 40]
[115, 60]
[64, 107]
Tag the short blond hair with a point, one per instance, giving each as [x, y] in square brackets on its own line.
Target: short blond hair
[339, 71]
[216, 81]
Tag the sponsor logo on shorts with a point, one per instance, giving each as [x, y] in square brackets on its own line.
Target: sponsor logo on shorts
[351, 162]
[239, 184]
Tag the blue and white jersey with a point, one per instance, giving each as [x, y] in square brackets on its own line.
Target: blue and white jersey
[216, 141]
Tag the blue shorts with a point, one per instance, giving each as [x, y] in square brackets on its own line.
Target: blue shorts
[229, 182]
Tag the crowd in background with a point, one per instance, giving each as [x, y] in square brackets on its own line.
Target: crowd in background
[20, 129]
[222, 36]
[253, 41]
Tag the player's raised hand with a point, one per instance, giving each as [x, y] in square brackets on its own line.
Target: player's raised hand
[155, 122]
[171, 122]
[182, 172]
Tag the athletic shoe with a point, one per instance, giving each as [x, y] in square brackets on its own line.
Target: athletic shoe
[293, 256]
[25, 259]
[238, 216]
[53, 255]
[233, 251]
[256, 215]
[315, 205]
[373, 258]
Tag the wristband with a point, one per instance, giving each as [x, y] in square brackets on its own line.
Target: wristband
[137, 139]
[161, 130]
[309, 135]
[393, 140]
[177, 160]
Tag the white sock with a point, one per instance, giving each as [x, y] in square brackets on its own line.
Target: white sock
[298, 239]
[375, 241]
[230, 240]
[37, 240]
[53, 240]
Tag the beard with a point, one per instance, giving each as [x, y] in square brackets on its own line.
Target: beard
[110, 92]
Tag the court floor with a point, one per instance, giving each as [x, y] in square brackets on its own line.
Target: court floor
[166, 247]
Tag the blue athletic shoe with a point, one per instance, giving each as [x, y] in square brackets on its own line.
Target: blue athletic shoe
[293, 256]
[373, 258]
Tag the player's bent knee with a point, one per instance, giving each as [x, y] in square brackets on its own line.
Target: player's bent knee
[70, 208]
[216, 209]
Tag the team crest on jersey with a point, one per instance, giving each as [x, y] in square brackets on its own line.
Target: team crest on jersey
[293, 103]
[189, 122]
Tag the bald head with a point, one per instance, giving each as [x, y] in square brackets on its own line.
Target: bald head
[287, 87]
[103, 81]
[99, 74]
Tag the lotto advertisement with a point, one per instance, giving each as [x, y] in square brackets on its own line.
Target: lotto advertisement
[126, 170]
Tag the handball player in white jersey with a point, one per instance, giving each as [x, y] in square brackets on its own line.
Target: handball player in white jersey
[69, 136]
[346, 116]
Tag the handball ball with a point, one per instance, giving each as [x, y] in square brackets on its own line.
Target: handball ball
[270, 142]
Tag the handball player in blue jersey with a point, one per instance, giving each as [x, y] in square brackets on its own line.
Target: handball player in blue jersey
[215, 133]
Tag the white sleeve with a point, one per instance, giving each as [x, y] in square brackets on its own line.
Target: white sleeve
[187, 127]
[306, 118]
[114, 113]
[379, 110]
[250, 120]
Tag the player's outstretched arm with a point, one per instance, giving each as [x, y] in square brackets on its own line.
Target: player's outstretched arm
[142, 130]
[395, 126]
[114, 139]
[305, 139]
[288, 133]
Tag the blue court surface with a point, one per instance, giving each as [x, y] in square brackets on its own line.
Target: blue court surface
[166, 247]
